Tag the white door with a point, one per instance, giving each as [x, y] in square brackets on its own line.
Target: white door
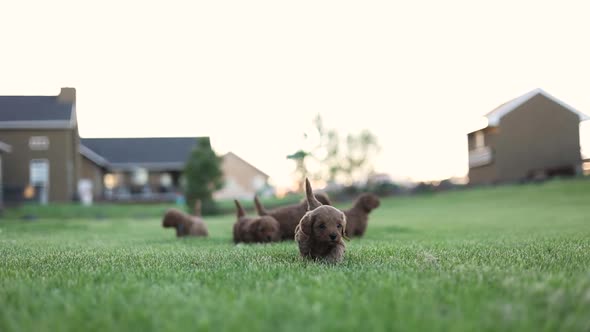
[39, 178]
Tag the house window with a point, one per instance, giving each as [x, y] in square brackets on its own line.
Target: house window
[110, 181]
[139, 176]
[39, 178]
[39, 171]
[258, 182]
[39, 143]
[231, 184]
[166, 180]
[479, 140]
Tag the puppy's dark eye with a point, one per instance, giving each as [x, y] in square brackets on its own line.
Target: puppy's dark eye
[339, 226]
[322, 226]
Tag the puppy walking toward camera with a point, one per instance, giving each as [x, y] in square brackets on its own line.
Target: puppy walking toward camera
[251, 230]
[320, 232]
[357, 217]
[289, 216]
[185, 224]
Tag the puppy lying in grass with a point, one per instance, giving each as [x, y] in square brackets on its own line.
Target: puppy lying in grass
[320, 232]
[259, 229]
[289, 216]
[185, 224]
[357, 217]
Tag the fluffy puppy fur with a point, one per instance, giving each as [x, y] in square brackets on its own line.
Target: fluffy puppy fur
[185, 224]
[251, 230]
[289, 216]
[357, 217]
[320, 232]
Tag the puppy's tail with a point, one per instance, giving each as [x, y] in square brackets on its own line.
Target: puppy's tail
[259, 208]
[240, 211]
[312, 202]
[197, 208]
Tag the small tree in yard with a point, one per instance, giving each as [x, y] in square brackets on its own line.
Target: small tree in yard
[203, 176]
[346, 160]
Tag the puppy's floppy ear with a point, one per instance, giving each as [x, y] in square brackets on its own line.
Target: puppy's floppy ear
[259, 208]
[197, 207]
[306, 223]
[239, 209]
[343, 230]
[365, 202]
[312, 202]
[371, 202]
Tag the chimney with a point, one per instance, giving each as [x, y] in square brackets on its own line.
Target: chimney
[67, 96]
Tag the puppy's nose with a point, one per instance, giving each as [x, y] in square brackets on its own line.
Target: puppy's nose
[333, 236]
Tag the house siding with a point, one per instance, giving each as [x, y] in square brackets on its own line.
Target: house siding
[538, 135]
[59, 154]
[239, 178]
[483, 174]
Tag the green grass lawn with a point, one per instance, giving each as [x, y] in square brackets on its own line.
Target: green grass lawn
[506, 258]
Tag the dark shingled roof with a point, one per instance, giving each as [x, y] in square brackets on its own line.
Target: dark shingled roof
[149, 152]
[33, 108]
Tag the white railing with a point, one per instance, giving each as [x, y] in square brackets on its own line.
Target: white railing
[480, 157]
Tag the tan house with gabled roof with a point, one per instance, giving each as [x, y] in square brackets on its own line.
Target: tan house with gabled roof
[242, 179]
[533, 136]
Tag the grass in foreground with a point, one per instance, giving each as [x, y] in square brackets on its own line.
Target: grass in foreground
[508, 258]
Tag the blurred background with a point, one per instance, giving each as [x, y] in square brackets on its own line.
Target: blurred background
[148, 102]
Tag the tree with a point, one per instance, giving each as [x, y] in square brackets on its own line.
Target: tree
[360, 149]
[327, 152]
[300, 167]
[347, 161]
[203, 176]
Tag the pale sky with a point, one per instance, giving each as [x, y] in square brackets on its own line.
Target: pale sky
[252, 74]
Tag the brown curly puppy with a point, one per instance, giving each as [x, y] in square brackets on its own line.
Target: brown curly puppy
[289, 216]
[320, 232]
[185, 224]
[259, 229]
[357, 217]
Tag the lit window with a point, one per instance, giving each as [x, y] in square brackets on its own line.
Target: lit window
[166, 180]
[139, 176]
[110, 181]
[39, 143]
